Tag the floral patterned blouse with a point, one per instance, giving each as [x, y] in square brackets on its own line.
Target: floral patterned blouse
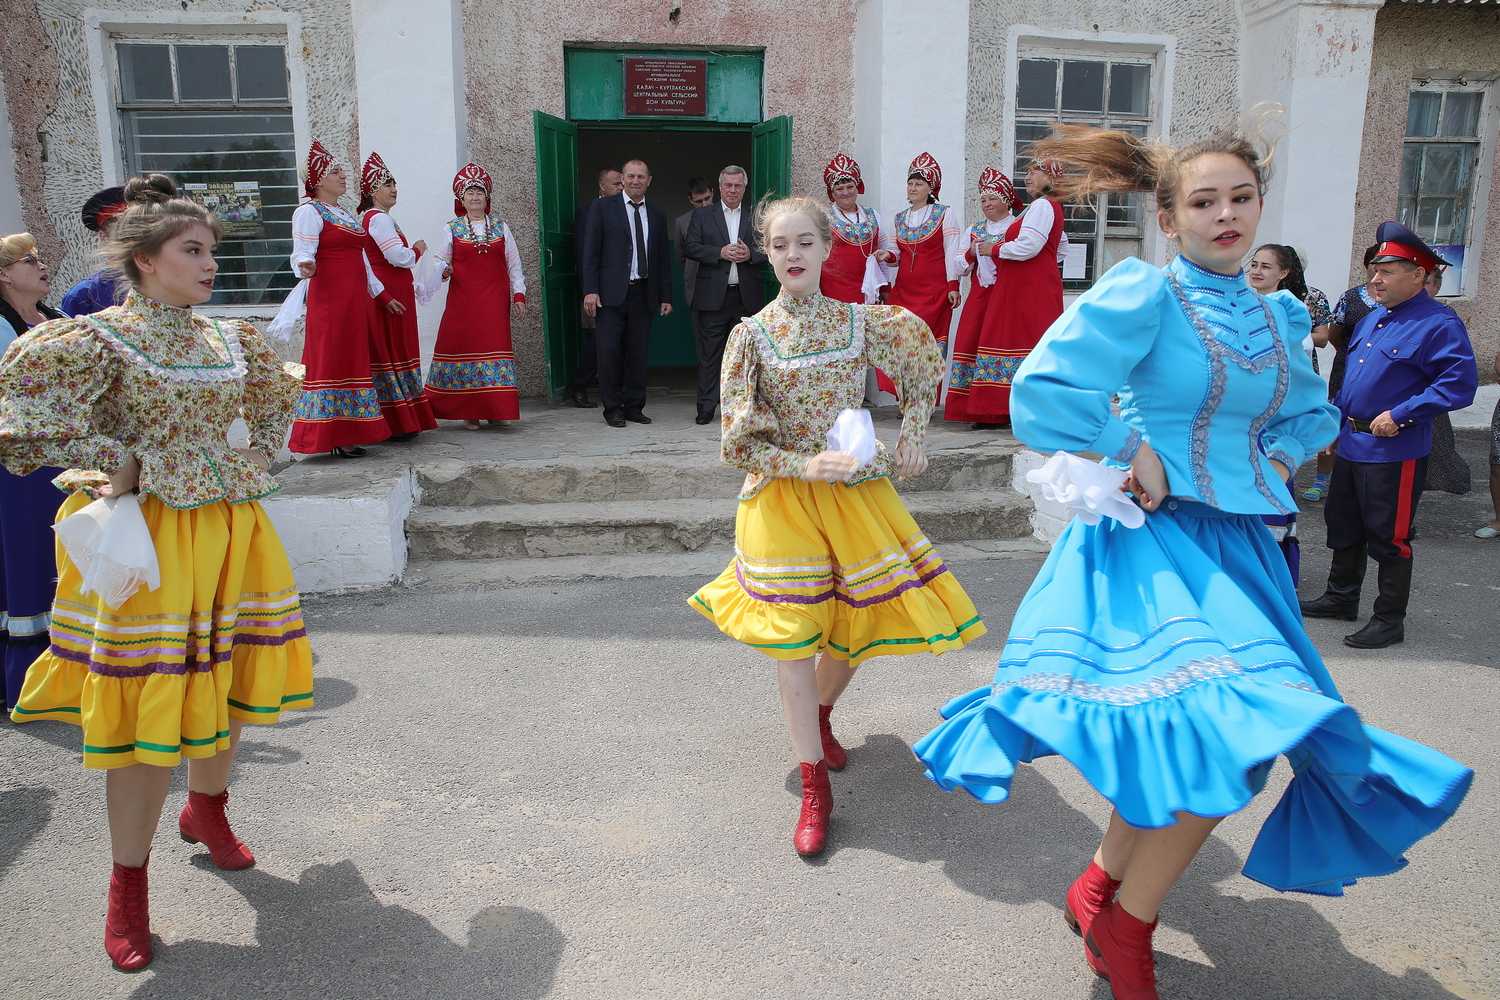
[150, 380]
[790, 369]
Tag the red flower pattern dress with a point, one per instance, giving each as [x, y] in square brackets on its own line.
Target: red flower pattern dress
[925, 241]
[395, 354]
[473, 373]
[339, 407]
[1026, 299]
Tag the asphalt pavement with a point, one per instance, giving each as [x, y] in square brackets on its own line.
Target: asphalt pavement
[582, 791]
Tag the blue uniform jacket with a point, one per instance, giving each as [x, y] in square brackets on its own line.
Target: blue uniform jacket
[91, 295]
[1414, 360]
[1206, 369]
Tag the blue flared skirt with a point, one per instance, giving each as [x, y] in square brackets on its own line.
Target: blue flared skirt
[28, 573]
[1169, 664]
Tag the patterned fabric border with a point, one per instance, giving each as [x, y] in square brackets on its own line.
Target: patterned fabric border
[466, 376]
[338, 404]
[1168, 685]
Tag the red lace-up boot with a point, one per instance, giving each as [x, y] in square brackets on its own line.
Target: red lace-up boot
[203, 821]
[1090, 893]
[835, 755]
[127, 924]
[1118, 947]
[817, 805]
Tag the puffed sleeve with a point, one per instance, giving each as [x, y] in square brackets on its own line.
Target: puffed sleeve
[513, 265]
[1306, 422]
[1060, 399]
[271, 390]
[750, 428]
[307, 228]
[953, 247]
[899, 344]
[49, 382]
[382, 229]
[1036, 226]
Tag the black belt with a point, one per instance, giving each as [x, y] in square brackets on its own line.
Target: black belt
[1363, 426]
[637, 281]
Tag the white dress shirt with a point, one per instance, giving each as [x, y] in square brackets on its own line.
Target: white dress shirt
[635, 265]
[732, 224]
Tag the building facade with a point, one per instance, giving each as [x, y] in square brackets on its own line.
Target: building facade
[1388, 110]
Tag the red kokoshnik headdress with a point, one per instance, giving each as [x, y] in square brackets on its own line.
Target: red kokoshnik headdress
[995, 182]
[373, 174]
[925, 167]
[319, 160]
[1052, 168]
[471, 175]
[842, 168]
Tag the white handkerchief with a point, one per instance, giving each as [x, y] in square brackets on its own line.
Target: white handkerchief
[1089, 489]
[854, 433]
[111, 545]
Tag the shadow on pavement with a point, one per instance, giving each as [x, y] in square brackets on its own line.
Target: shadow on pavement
[24, 813]
[1031, 847]
[328, 936]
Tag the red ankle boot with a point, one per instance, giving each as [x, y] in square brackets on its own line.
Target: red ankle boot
[817, 805]
[835, 755]
[127, 924]
[203, 821]
[1090, 892]
[1118, 947]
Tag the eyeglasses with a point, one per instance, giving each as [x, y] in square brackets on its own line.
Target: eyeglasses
[30, 258]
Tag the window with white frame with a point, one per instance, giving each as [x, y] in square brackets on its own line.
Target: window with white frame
[1440, 164]
[1088, 88]
[215, 115]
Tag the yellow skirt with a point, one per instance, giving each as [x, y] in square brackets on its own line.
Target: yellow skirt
[825, 566]
[160, 677]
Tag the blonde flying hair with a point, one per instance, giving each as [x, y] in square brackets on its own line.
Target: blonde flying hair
[155, 214]
[14, 247]
[1097, 159]
[797, 204]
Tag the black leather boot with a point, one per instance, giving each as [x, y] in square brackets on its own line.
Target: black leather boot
[1346, 575]
[1387, 625]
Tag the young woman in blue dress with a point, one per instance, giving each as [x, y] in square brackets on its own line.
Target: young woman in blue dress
[1168, 662]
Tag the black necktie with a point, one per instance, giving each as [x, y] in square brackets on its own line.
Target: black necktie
[640, 242]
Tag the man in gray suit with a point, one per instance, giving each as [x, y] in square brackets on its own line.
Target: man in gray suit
[699, 195]
[721, 239]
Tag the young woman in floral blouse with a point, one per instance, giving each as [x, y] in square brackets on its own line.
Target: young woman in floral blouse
[830, 569]
[140, 398]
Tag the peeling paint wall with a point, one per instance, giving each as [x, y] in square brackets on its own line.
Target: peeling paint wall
[1204, 92]
[54, 130]
[1412, 43]
[513, 65]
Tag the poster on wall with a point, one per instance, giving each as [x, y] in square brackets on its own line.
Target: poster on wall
[1453, 274]
[236, 204]
[666, 87]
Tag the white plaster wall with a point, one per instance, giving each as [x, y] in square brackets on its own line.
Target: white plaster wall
[915, 63]
[1314, 60]
[10, 195]
[410, 105]
[343, 543]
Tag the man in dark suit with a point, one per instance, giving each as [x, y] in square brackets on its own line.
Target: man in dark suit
[699, 195]
[721, 238]
[626, 281]
[588, 355]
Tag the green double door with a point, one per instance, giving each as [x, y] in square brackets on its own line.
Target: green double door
[557, 207]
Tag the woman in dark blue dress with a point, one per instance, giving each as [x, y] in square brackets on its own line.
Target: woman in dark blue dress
[28, 567]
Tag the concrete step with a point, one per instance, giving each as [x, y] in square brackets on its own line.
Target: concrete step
[691, 474]
[640, 527]
[701, 566]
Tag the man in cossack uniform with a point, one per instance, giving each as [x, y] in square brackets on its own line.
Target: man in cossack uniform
[1408, 360]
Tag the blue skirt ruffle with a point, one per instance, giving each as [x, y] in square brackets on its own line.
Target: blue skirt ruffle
[1169, 665]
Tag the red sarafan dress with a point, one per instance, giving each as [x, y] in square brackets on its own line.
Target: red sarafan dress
[473, 373]
[967, 337]
[924, 272]
[338, 407]
[395, 355]
[1026, 299]
[854, 243]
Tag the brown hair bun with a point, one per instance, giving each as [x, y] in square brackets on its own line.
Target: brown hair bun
[152, 189]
